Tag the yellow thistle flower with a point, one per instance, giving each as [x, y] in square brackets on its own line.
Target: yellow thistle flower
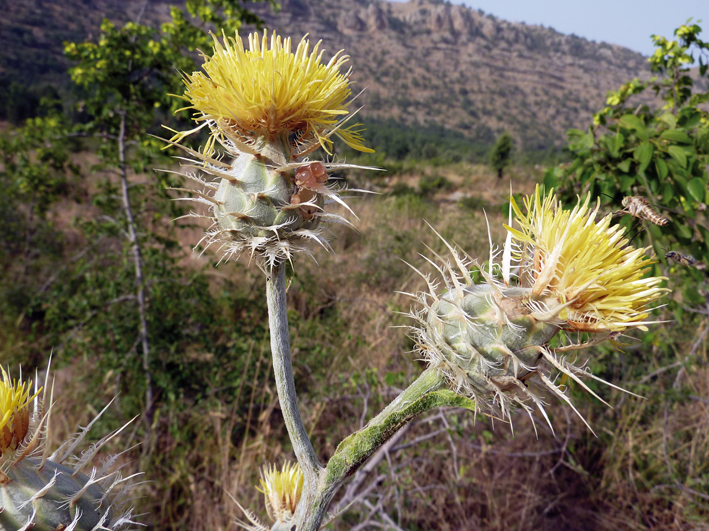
[583, 270]
[257, 96]
[282, 490]
[561, 270]
[268, 108]
[15, 410]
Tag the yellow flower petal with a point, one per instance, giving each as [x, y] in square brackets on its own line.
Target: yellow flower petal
[282, 490]
[267, 91]
[572, 258]
[14, 411]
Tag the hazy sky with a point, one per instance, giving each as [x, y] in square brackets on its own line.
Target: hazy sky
[626, 22]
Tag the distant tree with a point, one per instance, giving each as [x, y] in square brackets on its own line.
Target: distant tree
[127, 75]
[500, 155]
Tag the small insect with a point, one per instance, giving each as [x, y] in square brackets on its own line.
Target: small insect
[683, 259]
[311, 175]
[307, 180]
[640, 208]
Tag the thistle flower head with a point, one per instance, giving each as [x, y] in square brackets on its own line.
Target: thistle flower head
[15, 411]
[561, 270]
[282, 490]
[268, 108]
[260, 94]
[584, 271]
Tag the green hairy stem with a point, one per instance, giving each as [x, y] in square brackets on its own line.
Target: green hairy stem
[428, 391]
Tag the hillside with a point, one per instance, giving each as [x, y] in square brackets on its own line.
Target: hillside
[32, 33]
[420, 61]
[425, 60]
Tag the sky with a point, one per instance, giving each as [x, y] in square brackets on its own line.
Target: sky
[626, 22]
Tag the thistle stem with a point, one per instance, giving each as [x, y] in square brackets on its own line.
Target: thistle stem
[283, 369]
[428, 391]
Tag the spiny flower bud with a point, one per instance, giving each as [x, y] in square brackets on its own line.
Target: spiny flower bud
[282, 490]
[41, 491]
[268, 108]
[571, 273]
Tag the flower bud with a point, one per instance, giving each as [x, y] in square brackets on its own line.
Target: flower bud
[40, 491]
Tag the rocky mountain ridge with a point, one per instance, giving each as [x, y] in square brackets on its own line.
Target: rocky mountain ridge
[429, 61]
[421, 61]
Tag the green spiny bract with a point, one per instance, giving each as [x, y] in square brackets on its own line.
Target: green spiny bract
[58, 506]
[486, 341]
[481, 327]
[267, 203]
[51, 492]
[259, 199]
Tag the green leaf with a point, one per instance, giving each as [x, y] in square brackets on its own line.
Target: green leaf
[704, 233]
[679, 174]
[691, 294]
[668, 192]
[552, 178]
[636, 124]
[631, 122]
[608, 187]
[697, 189]
[585, 141]
[624, 166]
[683, 231]
[649, 338]
[703, 136]
[690, 118]
[618, 141]
[654, 230]
[575, 165]
[626, 181]
[573, 133]
[661, 166]
[643, 155]
[669, 119]
[680, 180]
[608, 143]
[688, 210]
[689, 150]
[678, 154]
[676, 136]
[587, 174]
[678, 313]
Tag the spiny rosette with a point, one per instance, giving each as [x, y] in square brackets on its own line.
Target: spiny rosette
[561, 271]
[268, 108]
[50, 492]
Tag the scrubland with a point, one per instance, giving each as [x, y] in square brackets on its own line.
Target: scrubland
[218, 420]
